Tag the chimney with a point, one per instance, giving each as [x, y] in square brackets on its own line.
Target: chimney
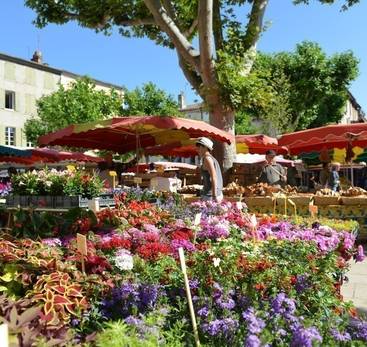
[181, 101]
[37, 57]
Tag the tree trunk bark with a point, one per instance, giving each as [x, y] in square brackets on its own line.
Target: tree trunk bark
[223, 119]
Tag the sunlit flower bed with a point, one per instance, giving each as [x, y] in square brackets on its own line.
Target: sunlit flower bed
[254, 281]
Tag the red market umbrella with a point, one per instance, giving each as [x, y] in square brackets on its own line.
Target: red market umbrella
[328, 137]
[258, 144]
[254, 144]
[126, 134]
[70, 156]
[175, 149]
[46, 155]
[28, 156]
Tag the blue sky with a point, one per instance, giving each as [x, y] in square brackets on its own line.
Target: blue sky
[132, 62]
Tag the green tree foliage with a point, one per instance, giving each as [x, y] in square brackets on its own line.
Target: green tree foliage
[79, 103]
[149, 100]
[302, 89]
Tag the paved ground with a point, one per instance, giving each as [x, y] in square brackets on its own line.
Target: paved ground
[356, 288]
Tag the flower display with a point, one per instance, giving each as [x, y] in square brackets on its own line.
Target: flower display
[255, 281]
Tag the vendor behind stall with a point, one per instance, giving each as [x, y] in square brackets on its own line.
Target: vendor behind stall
[334, 182]
[210, 171]
[272, 173]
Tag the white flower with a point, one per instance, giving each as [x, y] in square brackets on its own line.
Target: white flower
[48, 183]
[216, 262]
[124, 260]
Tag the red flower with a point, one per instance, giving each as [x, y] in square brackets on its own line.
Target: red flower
[182, 234]
[115, 242]
[152, 250]
[96, 264]
[259, 286]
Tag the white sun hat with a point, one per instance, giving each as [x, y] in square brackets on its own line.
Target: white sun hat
[204, 141]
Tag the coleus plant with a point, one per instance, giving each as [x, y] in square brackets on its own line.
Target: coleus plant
[61, 298]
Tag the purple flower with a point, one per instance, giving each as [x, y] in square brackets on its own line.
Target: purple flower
[227, 304]
[148, 295]
[358, 329]
[304, 337]
[221, 327]
[254, 325]
[302, 283]
[185, 244]
[131, 320]
[340, 337]
[194, 284]
[281, 304]
[203, 312]
[74, 322]
[360, 253]
[252, 341]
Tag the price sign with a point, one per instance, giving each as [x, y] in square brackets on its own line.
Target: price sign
[138, 180]
[82, 243]
[4, 335]
[113, 173]
[197, 219]
[313, 209]
[70, 168]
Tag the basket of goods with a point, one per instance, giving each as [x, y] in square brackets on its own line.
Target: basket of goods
[354, 196]
[190, 189]
[327, 196]
[260, 189]
[233, 189]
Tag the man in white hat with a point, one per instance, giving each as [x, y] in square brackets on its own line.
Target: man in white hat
[210, 171]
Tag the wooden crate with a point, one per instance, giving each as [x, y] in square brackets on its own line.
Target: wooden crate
[354, 200]
[258, 201]
[239, 169]
[327, 200]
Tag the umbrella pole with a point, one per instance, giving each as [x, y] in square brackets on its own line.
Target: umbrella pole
[351, 174]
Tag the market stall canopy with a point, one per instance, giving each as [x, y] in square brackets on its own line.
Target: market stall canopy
[254, 144]
[71, 156]
[42, 155]
[126, 134]
[325, 138]
[258, 144]
[26, 156]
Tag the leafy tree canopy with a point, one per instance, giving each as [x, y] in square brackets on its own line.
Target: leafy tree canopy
[149, 100]
[301, 89]
[80, 102]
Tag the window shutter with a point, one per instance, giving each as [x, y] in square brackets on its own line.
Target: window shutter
[18, 102]
[2, 98]
[18, 137]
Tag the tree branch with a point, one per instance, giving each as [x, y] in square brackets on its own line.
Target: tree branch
[217, 26]
[191, 75]
[169, 8]
[205, 28]
[254, 26]
[138, 21]
[192, 28]
[166, 23]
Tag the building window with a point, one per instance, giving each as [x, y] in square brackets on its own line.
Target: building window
[9, 100]
[10, 136]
